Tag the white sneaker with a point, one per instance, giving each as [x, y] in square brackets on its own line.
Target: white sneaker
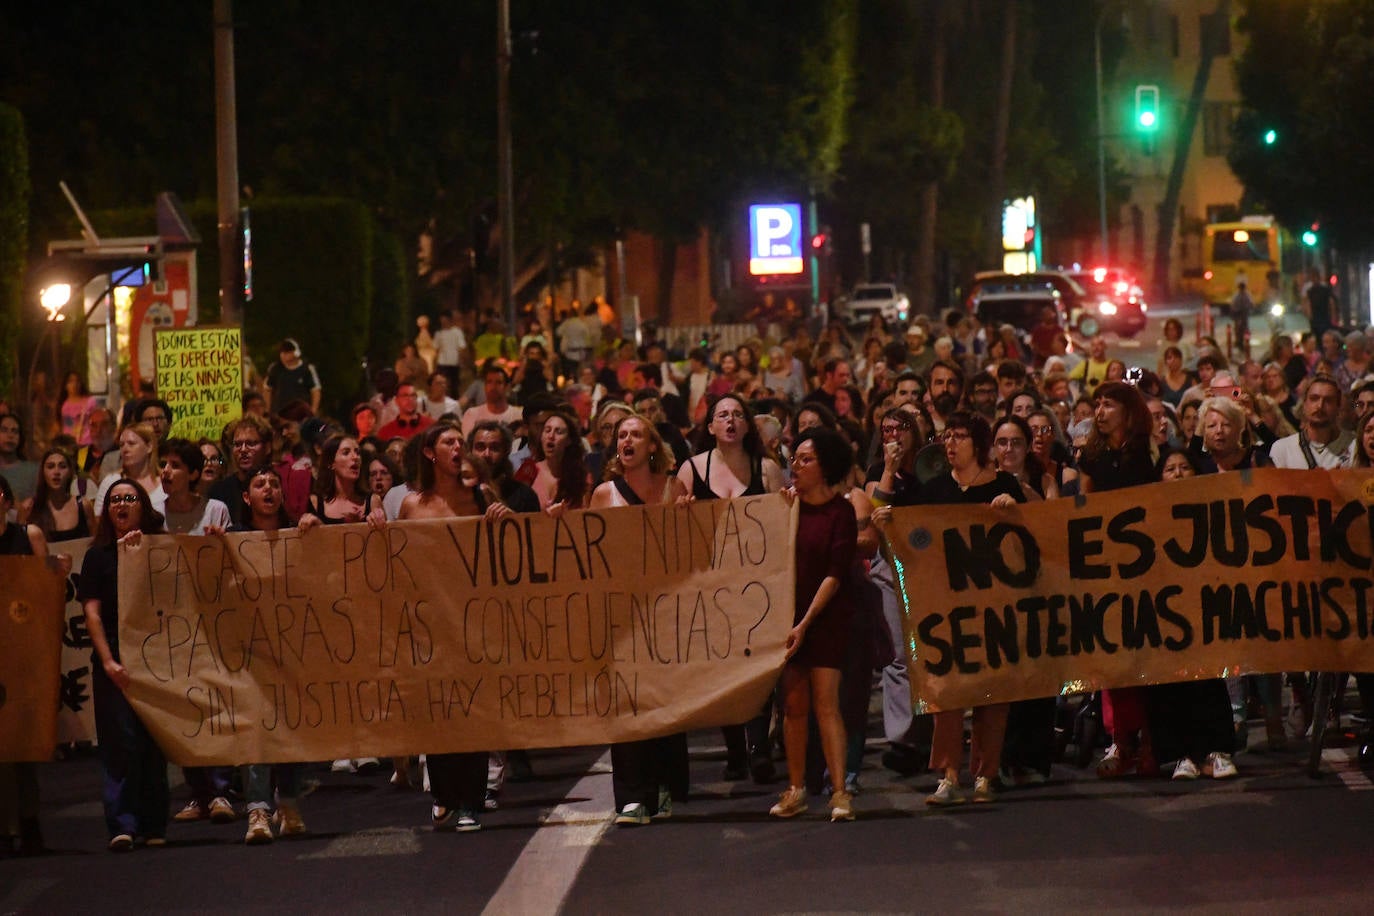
[946, 793]
[342, 766]
[983, 791]
[1220, 766]
[1185, 769]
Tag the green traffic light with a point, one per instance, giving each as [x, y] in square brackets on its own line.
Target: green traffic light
[1309, 238]
[1270, 137]
[1147, 120]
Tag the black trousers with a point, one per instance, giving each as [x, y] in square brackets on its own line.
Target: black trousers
[458, 780]
[1190, 719]
[1029, 742]
[639, 768]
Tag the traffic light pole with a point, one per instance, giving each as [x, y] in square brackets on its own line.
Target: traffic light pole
[1101, 138]
[227, 157]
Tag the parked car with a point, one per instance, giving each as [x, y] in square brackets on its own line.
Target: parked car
[1022, 310]
[1071, 295]
[869, 299]
[1116, 302]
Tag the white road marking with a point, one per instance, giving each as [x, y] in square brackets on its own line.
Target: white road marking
[1342, 760]
[542, 876]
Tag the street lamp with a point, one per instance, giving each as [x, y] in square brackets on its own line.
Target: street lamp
[54, 299]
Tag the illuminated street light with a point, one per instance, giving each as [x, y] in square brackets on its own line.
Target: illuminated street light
[54, 299]
[1271, 137]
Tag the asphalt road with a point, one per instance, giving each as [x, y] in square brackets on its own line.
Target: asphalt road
[1272, 840]
[1143, 350]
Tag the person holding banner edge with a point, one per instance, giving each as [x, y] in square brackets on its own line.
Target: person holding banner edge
[1117, 454]
[135, 792]
[971, 479]
[645, 775]
[731, 462]
[458, 782]
[817, 646]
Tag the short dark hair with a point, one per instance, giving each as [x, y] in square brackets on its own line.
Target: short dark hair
[491, 366]
[651, 373]
[1010, 368]
[978, 429]
[153, 402]
[832, 450]
[187, 452]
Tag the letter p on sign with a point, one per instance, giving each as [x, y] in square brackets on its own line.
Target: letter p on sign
[775, 239]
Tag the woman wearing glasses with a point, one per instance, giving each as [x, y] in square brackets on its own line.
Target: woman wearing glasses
[730, 463]
[971, 479]
[135, 792]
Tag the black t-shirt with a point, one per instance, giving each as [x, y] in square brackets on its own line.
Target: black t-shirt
[291, 384]
[945, 489]
[1115, 469]
[229, 490]
[100, 581]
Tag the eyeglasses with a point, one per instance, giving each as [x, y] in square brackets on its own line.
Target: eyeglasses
[895, 429]
[214, 460]
[955, 435]
[123, 499]
[247, 443]
[730, 415]
[1042, 430]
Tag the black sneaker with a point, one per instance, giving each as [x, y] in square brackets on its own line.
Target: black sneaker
[443, 819]
[467, 821]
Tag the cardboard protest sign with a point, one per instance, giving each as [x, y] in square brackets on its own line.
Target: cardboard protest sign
[76, 714]
[1245, 572]
[30, 649]
[200, 376]
[457, 635]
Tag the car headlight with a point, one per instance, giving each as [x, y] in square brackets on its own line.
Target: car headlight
[1107, 308]
[1276, 310]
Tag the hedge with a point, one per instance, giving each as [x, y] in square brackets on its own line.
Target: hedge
[14, 238]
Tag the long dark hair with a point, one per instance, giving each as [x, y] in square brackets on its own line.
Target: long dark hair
[150, 520]
[42, 512]
[753, 442]
[326, 482]
[1138, 421]
[572, 466]
[425, 477]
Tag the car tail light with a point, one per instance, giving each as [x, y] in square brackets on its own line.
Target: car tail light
[1206, 275]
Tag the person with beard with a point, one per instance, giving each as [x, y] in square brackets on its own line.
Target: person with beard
[250, 444]
[492, 442]
[944, 389]
[835, 374]
[982, 395]
[1321, 442]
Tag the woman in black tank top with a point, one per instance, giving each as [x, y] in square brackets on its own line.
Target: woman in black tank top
[731, 439]
[53, 504]
[341, 496]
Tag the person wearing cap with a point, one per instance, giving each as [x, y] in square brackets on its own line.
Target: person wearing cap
[290, 378]
[919, 357]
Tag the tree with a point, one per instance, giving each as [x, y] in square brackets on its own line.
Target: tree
[1217, 25]
[1305, 75]
[14, 224]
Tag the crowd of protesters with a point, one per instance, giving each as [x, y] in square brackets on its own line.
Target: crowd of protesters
[940, 412]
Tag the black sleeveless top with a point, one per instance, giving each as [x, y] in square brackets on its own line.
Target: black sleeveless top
[14, 541]
[701, 487]
[81, 530]
[317, 509]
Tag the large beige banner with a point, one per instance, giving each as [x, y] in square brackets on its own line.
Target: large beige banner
[1245, 572]
[31, 625]
[462, 635]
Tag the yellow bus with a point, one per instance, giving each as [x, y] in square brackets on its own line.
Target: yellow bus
[1255, 248]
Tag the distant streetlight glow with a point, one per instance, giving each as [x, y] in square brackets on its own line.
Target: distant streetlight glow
[54, 299]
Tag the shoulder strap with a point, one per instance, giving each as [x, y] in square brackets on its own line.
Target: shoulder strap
[627, 492]
[1307, 450]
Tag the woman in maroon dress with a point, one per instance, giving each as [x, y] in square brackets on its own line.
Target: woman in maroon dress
[827, 534]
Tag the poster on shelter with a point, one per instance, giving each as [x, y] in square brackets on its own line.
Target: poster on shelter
[458, 634]
[1240, 573]
[200, 376]
[31, 625]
